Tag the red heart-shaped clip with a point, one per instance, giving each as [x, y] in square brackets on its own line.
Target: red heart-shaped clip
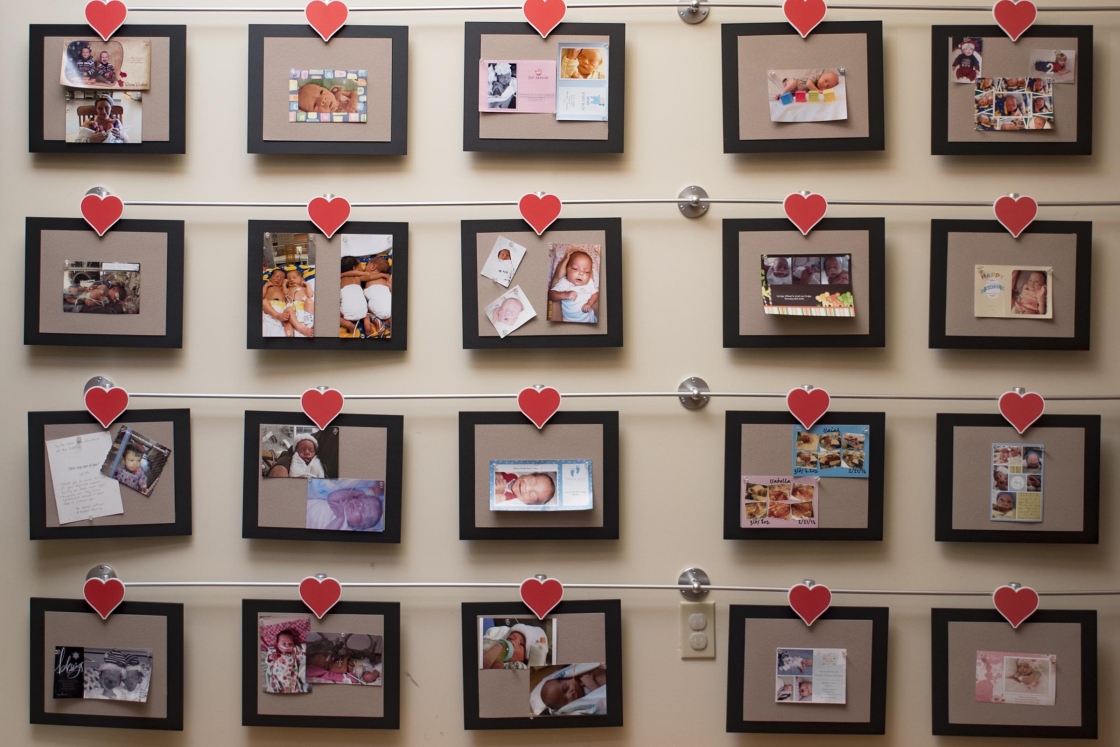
[807, 405]
[1015, 213]
[328, 215]
[541, 596]
[805, 210]
[106, 403]
[320, 594]
[326, 18]
[1021, 410]
[539, 405]
[1015, 604]
[810, 602]
[544, 15]
[102, 212]
[104, 595]
[322, 406]
[105, 16]
[804, 15]
[539, 211]
[1015, 16]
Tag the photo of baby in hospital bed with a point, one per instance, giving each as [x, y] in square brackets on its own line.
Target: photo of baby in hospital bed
[569, 690]
[345, 659]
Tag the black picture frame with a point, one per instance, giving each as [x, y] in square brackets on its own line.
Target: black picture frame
[943, 481]
[398, 143]
[940, 145]
[612, 227]
[938, 287]
[738, 614]
[610, 608]
[255, 339]
[468, 530]
[173, 613]
[733, 443]
[37, 479]
[875, 139]
[173, 290]
[940, 619]
[176, 144]
[875, 305]
[394, 473]
[616, 90]
[250, 665]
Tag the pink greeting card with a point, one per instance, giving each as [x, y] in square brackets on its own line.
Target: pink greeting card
[512, 86]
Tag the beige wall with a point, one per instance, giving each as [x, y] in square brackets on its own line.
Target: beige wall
[672, 459]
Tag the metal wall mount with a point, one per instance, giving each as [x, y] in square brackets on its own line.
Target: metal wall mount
[693, 394]
[695, 579]
[693, 12]
[690, 203]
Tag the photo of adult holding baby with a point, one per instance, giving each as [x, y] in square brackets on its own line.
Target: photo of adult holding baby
[573, 290]
[301, 451]
[516, 643]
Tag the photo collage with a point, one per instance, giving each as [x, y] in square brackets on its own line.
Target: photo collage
[535, 485]
[1017, 478]
[578, 93]
[811, 675]
[333, 503]
[366, 286]
[1013, 291]
[1023, 679]
[328, 96]
[779, 502]
[91, 287]
[293, 658]
[807, 95]
[288, 285]
[105, 83]
[831, 451]
[556, 687]
[829, 281]
[102, 673]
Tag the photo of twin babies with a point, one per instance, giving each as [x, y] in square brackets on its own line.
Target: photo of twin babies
[104, 81]
[102, 673]
[293, 657]
[778, 501]
[366, 286]
[288, 285]
[327, 95]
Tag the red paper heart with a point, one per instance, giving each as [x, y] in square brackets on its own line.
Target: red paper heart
[804, 15]
[544, 15]
[102, 212]
[320, 594]
[1021, 410]
[1016, 605]
[809, 602]
[1015, 213]
[805, 210]
[538, 405]
[322, 406]
[106, 405]
[326, 18]
[105, 17]
[328, 216]
[103, 595]
[539, 211]
[1015, 16]
[541, 596]
[807, 405]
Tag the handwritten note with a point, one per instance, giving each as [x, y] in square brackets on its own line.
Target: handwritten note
[81, 492]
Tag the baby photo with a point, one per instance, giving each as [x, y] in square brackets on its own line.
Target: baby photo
[830, 450]
[1014, 104]
[346, 505]
[965, 59]
[283, 653]
[135, 461]
[1058, 64]
[807, 95]
[509, 311]
[366, 283]
[1016, 487]
[113, 673]
[1023, 679]
[503, 261]
[568, 690]
[573, 288]
[526, 485]
[808, 675]
[288, 286]
[104, 117]
[327, 96]
[101, 287]
[516, 642]
[1013, 291]
[299, 451]
[582, 88]
[517, 86]
[121, 63]
[807, 285]
[344, 659]
[778, 501]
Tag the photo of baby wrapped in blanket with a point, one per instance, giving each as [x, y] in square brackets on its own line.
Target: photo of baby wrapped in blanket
[346, 505]
[283, 653]
[807, 95]
[300, 451]
[569, 690]
[123, 674]
[91, 287]
[1016, 291]
[573, 288]
[516, 642]
[535, 485]
[345, 659]
[1014, 104]
[366, 286]
[334, 96]
[1023, 679]
[288, 285]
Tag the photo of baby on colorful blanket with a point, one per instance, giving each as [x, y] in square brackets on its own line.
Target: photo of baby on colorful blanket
[323, 96]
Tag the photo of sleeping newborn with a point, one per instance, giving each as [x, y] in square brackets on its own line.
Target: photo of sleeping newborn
[540, 485]
[807, 95]
[346, 505]
[1016, 487]
[569, 690]
[123, 674]
[300, 451]
[509, 311]
[366, 287]
[326, 95]
[1014, 104]
[344, 659]
[1022, 679]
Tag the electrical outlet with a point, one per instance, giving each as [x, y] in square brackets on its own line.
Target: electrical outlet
[698, 630]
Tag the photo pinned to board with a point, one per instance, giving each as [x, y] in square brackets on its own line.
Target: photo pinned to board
[346, 505]
[1016, 488]
[81, 491]
[583, 84]
[1016, 291]
[807, 95]
[568, 690]
[807, 285]
[811, 675]
[779, 501]
[503, 261]
[1006, 104]
[965, 59]
[1021, 679]
[135, 461]
[541, 485]
[831, 450]
[509, 311]
[517, 86]
[104, 116]
[93, 287]
[122, 674]
[120, 63]
[573, 288]
[345, 659]
[1058, 64]
[516, 642]
[299, 451]
[328, 96]
[288, 285]
[366, 286]
[283, 653]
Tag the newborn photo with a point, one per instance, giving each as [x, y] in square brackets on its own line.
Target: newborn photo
[807, 95]
[517, 86]
[509, 311]
[582, 88]
[503, 260]
[779, 501]
[521, 485]
[334, 96]
[516, 642]
[288, 285]
[811, 675]
[1014, 104]
[346, 505]
[283, 653]
[135, 461]
[1023, 679]
[366, 286]
[568, 690]
[1021, 292]
[301, 451]
[120, 63]
[104, 117]
[101, 287]
[104, 673]
[573, 287]
[1017, 482]
[345, 659]
[807, 285]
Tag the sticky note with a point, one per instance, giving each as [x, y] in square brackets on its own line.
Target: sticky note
[787, 98]
[829, 97]
[800, 97]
